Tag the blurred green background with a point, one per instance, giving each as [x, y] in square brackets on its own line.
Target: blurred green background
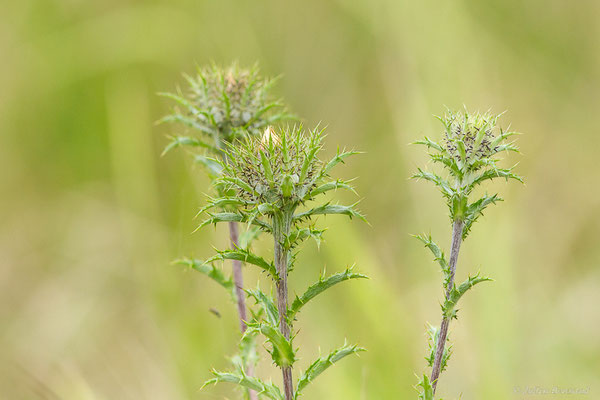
[91, 215]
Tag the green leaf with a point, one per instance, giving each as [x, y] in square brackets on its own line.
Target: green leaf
[282, 352]
[430, 144]
[326, 187]
[298, 235]
[178, 141]
[319, 287]
[223, 203]
[438, 255]
[267, 304]
[207, 269]
[434, 334]
[339, 158]
[441, 183]
[262, 388]
[427, 392]
[449, 307]
[490, 174]
[475, 210]
[234, 217]
[330, 209]
[247, 257]
[213, 167]
[322, 363]
[189, 122]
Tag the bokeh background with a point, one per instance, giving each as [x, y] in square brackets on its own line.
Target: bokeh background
[91, 215]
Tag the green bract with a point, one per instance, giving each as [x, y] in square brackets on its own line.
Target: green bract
[468, 155]
[222, 104]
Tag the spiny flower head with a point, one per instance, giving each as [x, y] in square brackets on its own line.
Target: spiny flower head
[224, 103]
[470, 142]
[469, 137]
[271, 176]
[277, 168]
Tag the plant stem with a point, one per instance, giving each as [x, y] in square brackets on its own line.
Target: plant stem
[238, 278]
[238, 281]
[457, 231]
[281, 228]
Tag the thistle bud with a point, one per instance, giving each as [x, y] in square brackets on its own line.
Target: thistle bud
[270, 138]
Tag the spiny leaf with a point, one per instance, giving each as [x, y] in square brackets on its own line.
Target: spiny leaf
[430, 144]
[326, 187]
[449, 307]
[247, 257]
[262, 388]
[298, 235]
[234, 217]
[475, 210]
[330, 209]
[177, 141]
[322, 363]
[441, 183]
[207, 269]
[427, 389]
[222, 203]
[338, 158]
[490, 174]
[213, 167]
[436, 251]
[267, 304]
[319, 287]
[282, 352]
[187, 121]
[434, 333]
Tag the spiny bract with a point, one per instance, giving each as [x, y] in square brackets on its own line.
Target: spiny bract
[280, 168]
[470, 142]
[225, 103]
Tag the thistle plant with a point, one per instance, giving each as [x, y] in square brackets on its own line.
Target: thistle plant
[220, 106]
[274, 183]
[468, 154]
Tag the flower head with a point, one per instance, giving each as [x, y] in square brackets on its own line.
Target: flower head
[279, 168]
[224, 103]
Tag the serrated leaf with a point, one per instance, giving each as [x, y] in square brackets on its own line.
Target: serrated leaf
[437, 253]
[298, 235]
[427, 389]
[328, 209]
[207, 269]
[215, 218]
[430, 144]
[319, 287]
[326, 187]
[246, 256]
[267, 304]
[282, 352]
[457, 292]
[262, 388]
[437, 180]
[178, 141]
[213, 167]
[475, 210]
[322, 363]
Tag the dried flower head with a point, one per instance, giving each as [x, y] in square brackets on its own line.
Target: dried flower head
[224, 103]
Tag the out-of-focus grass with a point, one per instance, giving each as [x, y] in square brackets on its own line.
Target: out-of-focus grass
[91, 216]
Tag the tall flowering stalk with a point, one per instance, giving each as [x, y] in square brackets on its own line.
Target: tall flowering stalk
[467, 154]
[274, 184]
[220, 106]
